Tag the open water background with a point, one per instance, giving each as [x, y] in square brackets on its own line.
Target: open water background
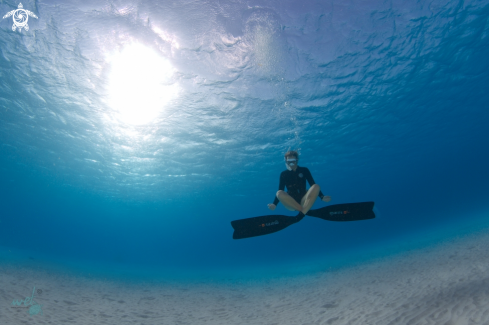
[386, 101]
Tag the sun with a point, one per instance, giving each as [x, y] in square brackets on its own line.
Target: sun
[140, 84]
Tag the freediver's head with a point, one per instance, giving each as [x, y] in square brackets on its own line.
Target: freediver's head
[291, 160]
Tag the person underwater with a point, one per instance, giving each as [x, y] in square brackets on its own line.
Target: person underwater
[297, 198]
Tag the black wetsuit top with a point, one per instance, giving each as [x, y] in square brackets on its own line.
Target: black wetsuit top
[296, 183]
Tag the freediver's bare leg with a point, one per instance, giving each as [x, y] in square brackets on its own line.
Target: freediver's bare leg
[309, 199]
[288, 202]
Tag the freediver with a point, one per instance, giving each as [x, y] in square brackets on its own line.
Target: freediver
[294, 178]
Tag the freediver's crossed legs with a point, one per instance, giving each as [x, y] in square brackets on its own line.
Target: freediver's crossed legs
[306, 202]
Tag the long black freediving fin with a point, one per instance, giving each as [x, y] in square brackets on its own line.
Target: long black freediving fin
[264, 225]
[345, 212]
[258, 226]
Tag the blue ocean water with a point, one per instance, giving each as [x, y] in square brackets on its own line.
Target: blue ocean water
[132, 133]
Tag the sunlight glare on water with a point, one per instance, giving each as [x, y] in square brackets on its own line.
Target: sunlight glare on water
[140, 84]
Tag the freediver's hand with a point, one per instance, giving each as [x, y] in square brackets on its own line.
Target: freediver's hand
[326, 198]
[272, 206]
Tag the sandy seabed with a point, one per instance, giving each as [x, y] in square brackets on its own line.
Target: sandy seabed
[447, 284]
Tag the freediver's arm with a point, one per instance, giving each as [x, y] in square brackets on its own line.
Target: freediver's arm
[281, 187]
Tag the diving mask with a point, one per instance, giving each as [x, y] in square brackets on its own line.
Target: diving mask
[290, 163]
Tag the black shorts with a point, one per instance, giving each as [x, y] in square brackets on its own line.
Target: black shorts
[296, 196]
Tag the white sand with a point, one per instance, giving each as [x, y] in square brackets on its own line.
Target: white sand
[446, 285]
